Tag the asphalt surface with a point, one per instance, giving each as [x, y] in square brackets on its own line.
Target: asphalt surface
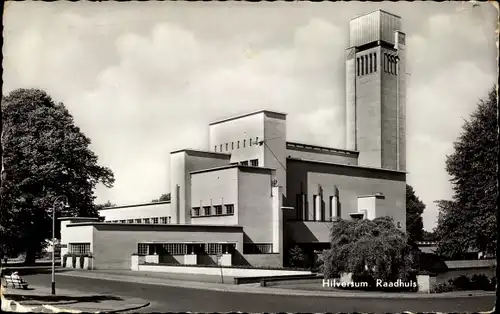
[175, 299]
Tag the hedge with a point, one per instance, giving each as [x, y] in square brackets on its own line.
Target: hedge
[476, 282]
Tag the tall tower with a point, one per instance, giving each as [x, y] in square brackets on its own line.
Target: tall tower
[375, 91]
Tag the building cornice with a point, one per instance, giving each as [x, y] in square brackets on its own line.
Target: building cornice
[344, 165]
[283, 115]
[202, 153]
[319, 149]
[136, 205]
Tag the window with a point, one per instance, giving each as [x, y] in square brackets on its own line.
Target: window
[155, 220]
[232, 145]
[374, 62]
[250, 142]
[206, 210]
[142, 249]
[257, 140]
[238, 144]
[254, 162]
[138, 221]
[218, 209]
[227, 145]
[371, 63]
[366, 64]
[230, 209]
[215, 148]
[253, 248]
[244, 163]
[175, 248]
[196, 211]
[221, 148]
[244, 143]
[357, 65]
[122, 221]
[169, 219]
[79, 248]
[213, 248]
[163, 220]
[130, 221]
[146, 220]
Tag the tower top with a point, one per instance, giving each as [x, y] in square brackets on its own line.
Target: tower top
[375, 26]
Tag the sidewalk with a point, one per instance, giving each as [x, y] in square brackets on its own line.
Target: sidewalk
[40, 299]
[162, 280]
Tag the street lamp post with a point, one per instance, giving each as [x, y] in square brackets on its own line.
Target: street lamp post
[54, 241]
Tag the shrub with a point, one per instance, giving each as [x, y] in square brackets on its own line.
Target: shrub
[443, 287]
[73, 261]
[480, 282]
[296, 256]
[64, 258]
[82, 259]
[462, 283]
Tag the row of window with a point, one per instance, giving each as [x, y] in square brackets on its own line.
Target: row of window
[154, 220]
[213, 210]
[79, 248]
[253, 162]
[201, 248]
[231, 146]
[367, 64]
[254, 248]
[185, 248]
[303, 210]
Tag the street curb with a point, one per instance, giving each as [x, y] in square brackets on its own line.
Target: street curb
[290, 292]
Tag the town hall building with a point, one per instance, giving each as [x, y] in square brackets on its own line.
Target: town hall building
[252, 195]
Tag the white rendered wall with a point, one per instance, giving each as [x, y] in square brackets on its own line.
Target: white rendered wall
[136, 212]
[368, 204]
[212, 188]
[242, 129]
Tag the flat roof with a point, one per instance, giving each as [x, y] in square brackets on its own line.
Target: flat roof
[377, 10]
[136, 205]
[173, 226]
[78, 218]
[344, 165]
[246, 115]
[202, 152]
[233, 165]
[320, 149]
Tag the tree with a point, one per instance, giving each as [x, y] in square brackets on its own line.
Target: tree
[468, 221]
[414, 210]
[105, 205]
[368, 247]
[44, 156]
[429, 236]
[165, 197]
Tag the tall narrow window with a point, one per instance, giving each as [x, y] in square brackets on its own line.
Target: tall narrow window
[244, 143]
[371, 63]
[221, 148]
[227, 147]
[215, 148]
[362, 65]
[366, 64]
[396, 65]
[256, 140]
[250, 142]
[375, 62]
[238, 144]
[357, 65]
[232, 145]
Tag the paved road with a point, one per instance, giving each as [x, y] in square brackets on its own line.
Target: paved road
[175, 299]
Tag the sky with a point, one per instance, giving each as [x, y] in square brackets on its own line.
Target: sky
[145, 78]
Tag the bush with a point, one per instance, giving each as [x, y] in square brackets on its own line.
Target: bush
[480, 282]
[73, 261]
[443, 287]
[462, 283]
[82, 259]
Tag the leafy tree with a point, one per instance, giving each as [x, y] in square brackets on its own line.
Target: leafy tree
[44, 156]
[414, 210]
[429, 236]
[468, 221]
[368, 247]
[163, 198]
[105, 205]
